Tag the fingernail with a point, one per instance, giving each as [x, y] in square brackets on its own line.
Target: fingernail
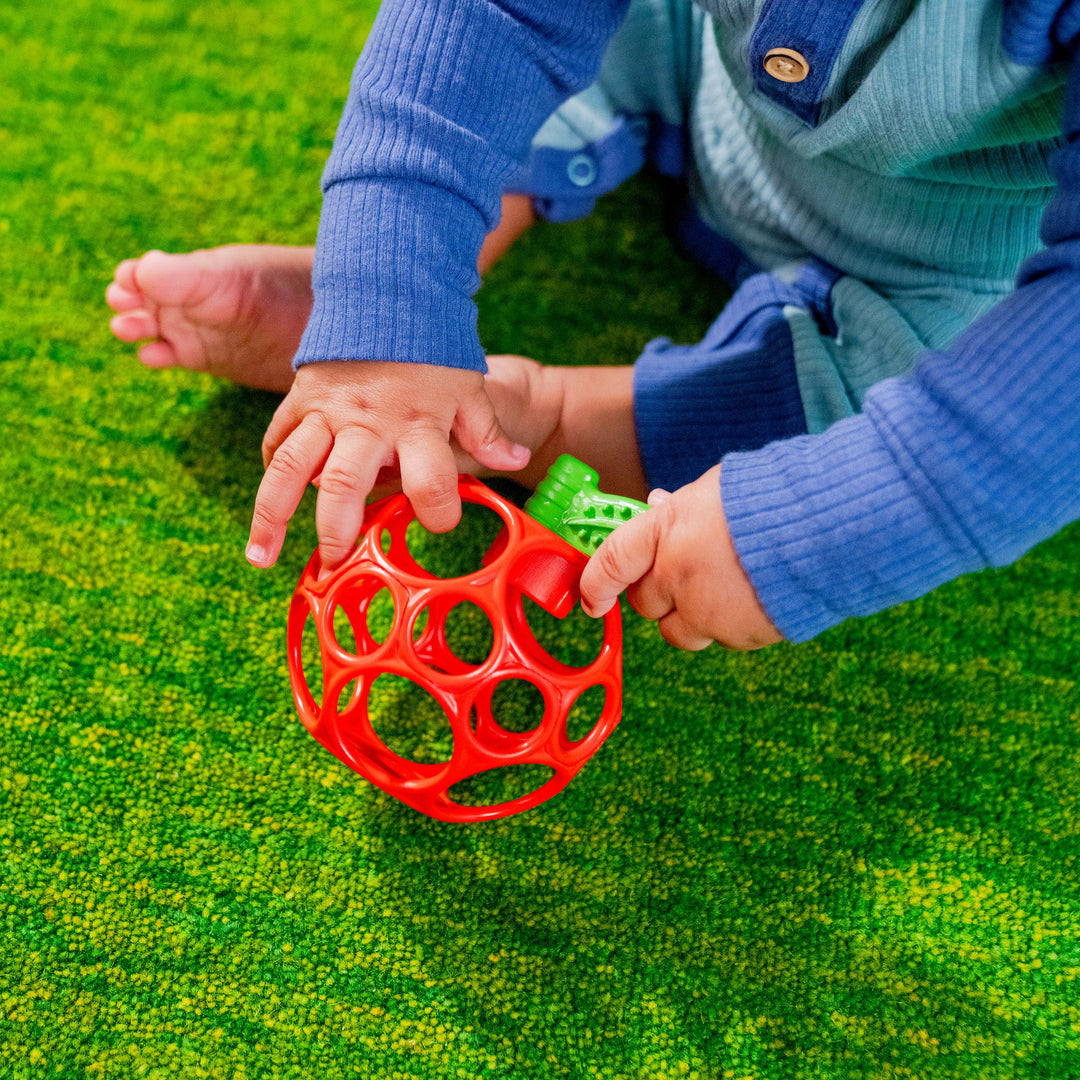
[596, 613]
[658, 496]
[520, 452]
[256, 555]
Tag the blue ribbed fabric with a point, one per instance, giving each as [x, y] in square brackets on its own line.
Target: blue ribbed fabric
[966, 463]
[565, 184]
[817, 30]
[694, 404]
[442, 108]
[1037, 31]
[735, 390]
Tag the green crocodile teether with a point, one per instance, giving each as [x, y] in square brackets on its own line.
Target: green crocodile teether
[570, 504]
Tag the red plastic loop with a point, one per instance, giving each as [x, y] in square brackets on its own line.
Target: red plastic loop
[526, 559]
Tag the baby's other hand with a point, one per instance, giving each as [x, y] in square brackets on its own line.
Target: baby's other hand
[528, 400]
[344, 420]
[678, 564]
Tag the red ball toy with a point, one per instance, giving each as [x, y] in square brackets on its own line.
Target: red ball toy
[527, 559]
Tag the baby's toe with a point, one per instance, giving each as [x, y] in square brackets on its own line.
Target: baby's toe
[158, 354]
[173, 280]
[123, 300]
[124, 275]
[134, 325]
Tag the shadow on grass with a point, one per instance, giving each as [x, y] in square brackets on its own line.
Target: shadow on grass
[595, 291]
[222, 446]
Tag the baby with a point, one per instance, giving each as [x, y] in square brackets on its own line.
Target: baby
[877, 410]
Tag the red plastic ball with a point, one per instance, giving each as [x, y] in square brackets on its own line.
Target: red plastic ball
[526, 559]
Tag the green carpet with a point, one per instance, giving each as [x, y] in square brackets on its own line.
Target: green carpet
[855, 858]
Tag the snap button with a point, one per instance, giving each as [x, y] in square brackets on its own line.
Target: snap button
[786, 65]
[581, 170]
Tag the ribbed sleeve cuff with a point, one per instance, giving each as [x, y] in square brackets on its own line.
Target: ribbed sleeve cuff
[966, 463]
[828, 526]
[695, 403]
[565, 184]
[385, 287]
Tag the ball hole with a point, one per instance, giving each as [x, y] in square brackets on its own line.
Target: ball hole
[343, 631]
[469, 633]
[517, 706]
[495, 786]
[347, 699]
[575, 641]
[454, 641]
[409, 721]
[380, 615]
[585, 713]
[363, 615]
[459, 552]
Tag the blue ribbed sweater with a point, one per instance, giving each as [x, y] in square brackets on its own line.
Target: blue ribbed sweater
[966, 463]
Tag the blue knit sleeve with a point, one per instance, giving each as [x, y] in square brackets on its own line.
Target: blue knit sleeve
[443, 103]
[966, 463]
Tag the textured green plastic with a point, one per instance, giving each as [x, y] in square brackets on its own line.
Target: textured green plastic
[570, 504]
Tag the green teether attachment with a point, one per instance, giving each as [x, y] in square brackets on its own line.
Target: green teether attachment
[570, 504]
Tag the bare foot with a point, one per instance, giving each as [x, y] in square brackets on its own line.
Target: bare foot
[237, 312]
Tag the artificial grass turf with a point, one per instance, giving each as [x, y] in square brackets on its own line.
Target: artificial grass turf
[857, 857]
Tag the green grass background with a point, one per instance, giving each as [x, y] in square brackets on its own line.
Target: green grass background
[855, 858]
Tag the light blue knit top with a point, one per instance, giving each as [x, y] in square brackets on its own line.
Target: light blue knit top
[923, 163]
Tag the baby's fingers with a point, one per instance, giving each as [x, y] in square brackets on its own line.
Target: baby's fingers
[122, 300]
[347, 477]
[675, 630]
[158, 354]
[294, 462]
[124, 277]
[623, 558]
[281, 425]
[429, 477]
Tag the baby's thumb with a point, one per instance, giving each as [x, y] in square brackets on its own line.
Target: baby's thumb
[480, 434]
[626, 556]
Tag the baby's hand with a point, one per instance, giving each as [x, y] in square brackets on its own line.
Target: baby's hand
[678, 564]
[344, 420]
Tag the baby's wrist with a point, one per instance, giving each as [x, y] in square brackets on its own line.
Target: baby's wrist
[597, 425]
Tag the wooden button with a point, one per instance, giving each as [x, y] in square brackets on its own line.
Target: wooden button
[786, 65]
